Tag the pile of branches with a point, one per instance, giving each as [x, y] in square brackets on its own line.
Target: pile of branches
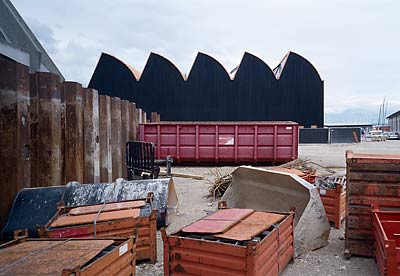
[221, 182]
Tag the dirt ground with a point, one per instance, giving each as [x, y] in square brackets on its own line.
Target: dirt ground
[326, 261]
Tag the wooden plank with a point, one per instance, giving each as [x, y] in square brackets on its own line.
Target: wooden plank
[15, 144]
[104, 138]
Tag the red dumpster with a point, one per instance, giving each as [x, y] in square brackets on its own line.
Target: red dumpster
[223, 142]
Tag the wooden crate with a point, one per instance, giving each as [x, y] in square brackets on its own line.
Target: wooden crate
[334, 201]
[143, 225]
[68, 257]
[371, 180]
[205, 254]
[386, 226]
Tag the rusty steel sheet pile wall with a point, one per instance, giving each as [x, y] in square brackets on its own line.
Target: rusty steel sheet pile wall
[45, 111]
[53, 132]
[293, 91]
[223, 142]
[90, 257]
[15, 142]
[371, 180]
[189, 252]
[91, 173]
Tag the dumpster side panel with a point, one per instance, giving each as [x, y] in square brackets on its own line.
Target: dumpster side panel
[223, 142]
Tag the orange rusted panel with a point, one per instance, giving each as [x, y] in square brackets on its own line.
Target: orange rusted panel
[68, 257]
[143, 225]
[186, 254]
[218, 222]
[209, 226]
[251, 226]
[371, 180]
[334, 201]
[107, 207]
[386, 228]
[230, 214]
[90, 218]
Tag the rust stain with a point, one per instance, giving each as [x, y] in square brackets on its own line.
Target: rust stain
[251, 226]
[218, 222]
[89, 218]
[107, 207]
[230, 214]
[209, 226]
[48, 257]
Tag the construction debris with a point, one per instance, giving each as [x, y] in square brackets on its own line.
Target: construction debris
[219, 184]
[330, 182]
[183, 175]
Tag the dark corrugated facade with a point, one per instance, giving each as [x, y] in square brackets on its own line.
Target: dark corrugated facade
[254, 93]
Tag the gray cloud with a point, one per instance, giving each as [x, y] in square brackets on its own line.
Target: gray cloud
[353, 44]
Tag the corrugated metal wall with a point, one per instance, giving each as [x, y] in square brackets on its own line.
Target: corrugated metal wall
[209, 93]
[53, 133]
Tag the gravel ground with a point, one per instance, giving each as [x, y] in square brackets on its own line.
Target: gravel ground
[326, 261]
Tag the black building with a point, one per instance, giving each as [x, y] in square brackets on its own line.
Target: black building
[253, 92]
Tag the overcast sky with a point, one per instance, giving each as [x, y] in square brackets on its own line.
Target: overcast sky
[353, 44]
